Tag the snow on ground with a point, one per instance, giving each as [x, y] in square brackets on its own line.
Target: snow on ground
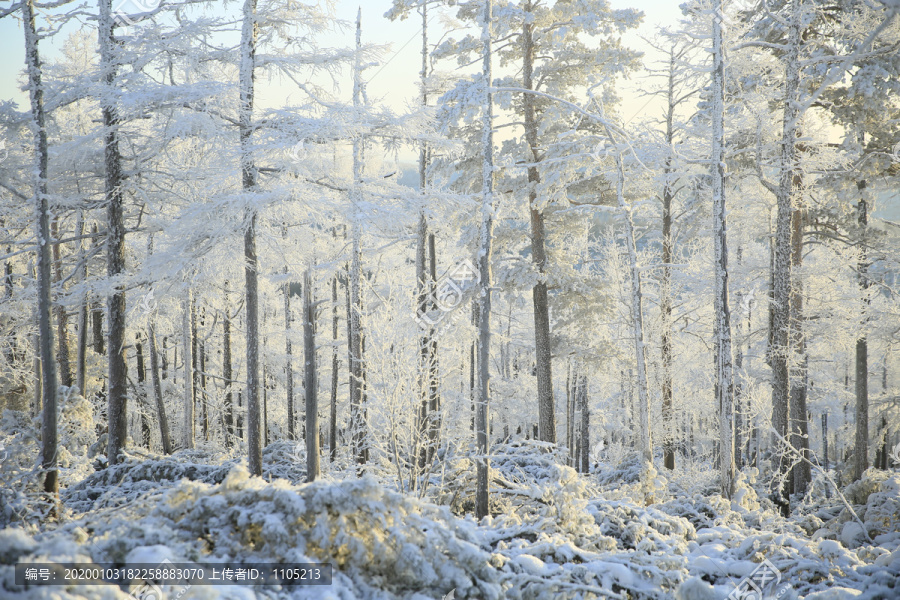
[555, 534]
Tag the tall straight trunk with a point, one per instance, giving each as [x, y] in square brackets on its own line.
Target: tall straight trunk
[541, 303]
[48, 371]
[782, 276]
[483, 305]
[861, 446]
[115, 241]
[157, 392]
[81, 351]
[425, 282]
[62, 317]
[226, 370]
[585, 424]
[665, 300]
[141, 377]
[187, 432]
[332, 421]
[249, 174]
[357, 376]
[289, 367]
[723, 352]
[312, 381]
[570, 415]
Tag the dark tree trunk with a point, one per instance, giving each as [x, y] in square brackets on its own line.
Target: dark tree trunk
[249, 33]
[542, 342]
[312, 402]
[62, 317]
[861, 446]
[48, 371]
[115, 242]
[226, 371]
[332, 423]
[157, 393]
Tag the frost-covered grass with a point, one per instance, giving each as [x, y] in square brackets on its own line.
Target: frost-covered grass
[553, 533]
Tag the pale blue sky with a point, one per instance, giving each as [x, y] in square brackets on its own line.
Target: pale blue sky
[394, 82]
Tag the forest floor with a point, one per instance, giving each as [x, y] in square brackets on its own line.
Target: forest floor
[554, 533]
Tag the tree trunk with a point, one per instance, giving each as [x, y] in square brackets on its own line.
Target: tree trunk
[484, 265]
[861, 447]
[312, 382]
[332, 423]
[48, 371]
[357, 375]
[187, 432]
[782, 277]
[81, 352]
[249, 33]
[226, 370]
[157, 392]
[289, 367]
[585, 423]
[62, 318]
[542, 342]
[723, 352]
[115, 241]
[665, 301]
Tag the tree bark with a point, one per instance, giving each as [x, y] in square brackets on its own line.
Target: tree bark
[289, 367]
[62, 317]
[157, 392]
[861, 446]
[187, 432]
[48, 372]
[81, 351]
[226, 370]
[312, 382]
[782, 276]
[585, 424]
[541, 303]
[723, 351]
[357, 374]
[249, 33]
[484, 265]
[332, 424]
[115, 242]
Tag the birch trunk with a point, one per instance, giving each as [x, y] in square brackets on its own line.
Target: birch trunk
[115, 241]
[484, 264]
[249, 33]
[48, 371]
[312, 382]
